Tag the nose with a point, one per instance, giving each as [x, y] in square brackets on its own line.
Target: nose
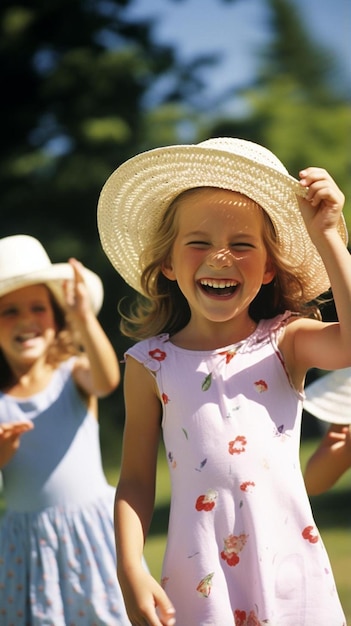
[220, 258]
[26, 316]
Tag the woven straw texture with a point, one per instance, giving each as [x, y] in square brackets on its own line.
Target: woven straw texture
[137, 194]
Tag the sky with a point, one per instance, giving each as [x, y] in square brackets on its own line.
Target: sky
[237, 31]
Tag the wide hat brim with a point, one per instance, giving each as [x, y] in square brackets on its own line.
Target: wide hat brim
[329, 397]
[137, 194]
[54, 277]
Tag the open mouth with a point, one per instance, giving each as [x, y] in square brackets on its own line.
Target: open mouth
[219, 287]
[24, 337]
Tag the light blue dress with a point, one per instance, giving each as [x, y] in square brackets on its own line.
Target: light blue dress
[57, 552]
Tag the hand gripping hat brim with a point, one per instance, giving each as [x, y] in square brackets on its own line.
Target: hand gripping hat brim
[136, 196]
[329, 397]
[24, 262]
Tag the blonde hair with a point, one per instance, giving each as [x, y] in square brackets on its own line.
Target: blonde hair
[163, 307]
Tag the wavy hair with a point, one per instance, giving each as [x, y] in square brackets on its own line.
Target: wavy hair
[163, 307]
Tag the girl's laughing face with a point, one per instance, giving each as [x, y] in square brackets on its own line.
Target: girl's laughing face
[219, 259]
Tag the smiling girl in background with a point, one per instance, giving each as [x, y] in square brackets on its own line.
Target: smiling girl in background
[57, 562]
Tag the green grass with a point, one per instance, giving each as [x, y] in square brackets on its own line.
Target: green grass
[332, 512]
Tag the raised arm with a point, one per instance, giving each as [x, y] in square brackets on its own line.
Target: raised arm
[97, 373]
[145, 600]
[327, 346]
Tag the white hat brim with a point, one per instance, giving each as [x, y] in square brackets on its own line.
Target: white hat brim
[137, 194]
[329, 397]
[54, 276]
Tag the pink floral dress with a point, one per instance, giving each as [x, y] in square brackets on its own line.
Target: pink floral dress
[243, 548]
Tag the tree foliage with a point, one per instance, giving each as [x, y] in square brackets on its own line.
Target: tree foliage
[295, 107]
[77, 76]
[85, 87]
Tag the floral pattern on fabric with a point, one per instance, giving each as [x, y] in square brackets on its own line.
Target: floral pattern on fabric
[232, 546]
[207, 502]
[310, 533]
[205, 585]
[248, 619]
[231, 427]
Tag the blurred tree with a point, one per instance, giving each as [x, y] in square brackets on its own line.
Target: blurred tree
[77, 76]
[296, 107]
[84, 88]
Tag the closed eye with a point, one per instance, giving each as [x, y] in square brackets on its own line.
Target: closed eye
[8, 312]
[198, 244]
[242, 245]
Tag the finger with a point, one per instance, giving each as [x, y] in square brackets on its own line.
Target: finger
[77, 270]
[16, 426]
[310, 175]
[166, 612]
[337, 436]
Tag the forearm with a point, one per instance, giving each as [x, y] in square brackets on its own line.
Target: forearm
[325, 467]
[104, 367]
[337, 261]
[132, 517]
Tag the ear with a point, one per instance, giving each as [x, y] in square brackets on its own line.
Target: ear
[269, 272]
[167, 270]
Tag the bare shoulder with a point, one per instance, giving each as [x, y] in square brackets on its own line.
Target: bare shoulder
[143, 417]
[302, 324]
[297, 344]
[137, 371]
[140, 388]
[310, 343]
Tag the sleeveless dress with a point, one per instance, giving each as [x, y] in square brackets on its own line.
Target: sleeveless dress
[243, 548]
[57, 552]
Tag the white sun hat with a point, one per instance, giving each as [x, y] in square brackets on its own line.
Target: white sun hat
[136, 196]
[329, 397]
[24, 262]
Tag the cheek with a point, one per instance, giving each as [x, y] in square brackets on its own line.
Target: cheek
[49, 324]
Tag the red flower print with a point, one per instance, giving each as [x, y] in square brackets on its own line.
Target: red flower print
[246, 486]
[206, 502]
[165, 398]
[233, 544]
[251, 619]
[261, 386]
[231, 559]
[229, 354]
[205, 585]
[237, 446]
[240, 617]
[157, 354]
[310, 534]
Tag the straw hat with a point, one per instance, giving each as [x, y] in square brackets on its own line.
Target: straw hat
[24, 261]
[137, 194]
[329, 397]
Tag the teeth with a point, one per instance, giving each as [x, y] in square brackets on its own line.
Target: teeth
[218, 285]
[26, 336]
